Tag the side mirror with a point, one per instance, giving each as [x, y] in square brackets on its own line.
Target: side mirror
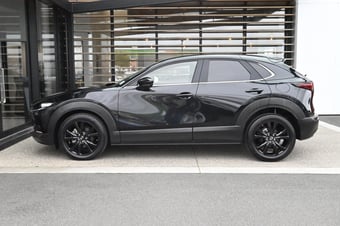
[145, 83]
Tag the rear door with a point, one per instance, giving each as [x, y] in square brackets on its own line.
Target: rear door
[225, 87]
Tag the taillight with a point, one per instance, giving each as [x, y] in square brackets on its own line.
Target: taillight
[305, 85]
[308, 86]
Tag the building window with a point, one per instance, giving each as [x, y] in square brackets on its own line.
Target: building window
[51, 44]
[113, 44]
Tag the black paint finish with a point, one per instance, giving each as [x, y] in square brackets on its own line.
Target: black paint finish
[187, 113]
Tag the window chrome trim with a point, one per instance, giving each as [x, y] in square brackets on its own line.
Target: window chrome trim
[240, 81]
[272, 74]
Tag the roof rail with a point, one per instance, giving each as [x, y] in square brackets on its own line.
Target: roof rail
[272, 59]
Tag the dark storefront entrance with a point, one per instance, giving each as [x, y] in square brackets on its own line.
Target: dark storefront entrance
[33, 61]
[13, 67]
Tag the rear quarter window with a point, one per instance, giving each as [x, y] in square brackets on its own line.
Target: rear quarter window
[280, 73]
[260, 69]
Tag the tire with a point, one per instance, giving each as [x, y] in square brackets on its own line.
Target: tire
[82, 136]
[270, 137]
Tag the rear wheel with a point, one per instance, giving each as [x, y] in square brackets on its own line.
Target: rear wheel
[270, 137]
[82, 136]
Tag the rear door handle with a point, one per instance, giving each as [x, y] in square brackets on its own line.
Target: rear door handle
[254, 90]
[185, 95]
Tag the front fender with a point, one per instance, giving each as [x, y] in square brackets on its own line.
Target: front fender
[89, 106]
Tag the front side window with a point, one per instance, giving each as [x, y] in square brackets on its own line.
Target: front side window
[179, 73]
[227, 70]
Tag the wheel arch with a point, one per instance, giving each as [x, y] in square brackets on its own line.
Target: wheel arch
[284, 107]
[88, 107]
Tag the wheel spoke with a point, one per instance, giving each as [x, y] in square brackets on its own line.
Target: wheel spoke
[277, 144]
[259, 136]
[271, 127]
[281, 132]
[262, 145]
[74, 146]
[88, 146]
[92, 134]
[71, 133]
[91, 143]
[78, 127]
[282, 137]
[275, 124]
[265, 150]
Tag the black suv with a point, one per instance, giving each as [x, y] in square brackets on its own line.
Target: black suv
[206, 99]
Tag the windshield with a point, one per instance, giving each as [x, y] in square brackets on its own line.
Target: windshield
[129, 78]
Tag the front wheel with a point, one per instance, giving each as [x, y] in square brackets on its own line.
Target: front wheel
[270, 137]
[82, 136]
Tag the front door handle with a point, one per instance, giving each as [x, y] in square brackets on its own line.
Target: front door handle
[254, 90]
[185, 95]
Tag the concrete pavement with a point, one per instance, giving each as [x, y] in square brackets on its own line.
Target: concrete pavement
[169, 199]
[321, 153]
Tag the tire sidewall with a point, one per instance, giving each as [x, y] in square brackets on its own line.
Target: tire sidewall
[95, 122]
[253, 126]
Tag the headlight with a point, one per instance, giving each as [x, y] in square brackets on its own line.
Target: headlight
[45, 105]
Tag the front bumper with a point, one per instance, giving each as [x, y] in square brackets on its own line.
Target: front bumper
[308, 126]
[42, 138]
[40, 119]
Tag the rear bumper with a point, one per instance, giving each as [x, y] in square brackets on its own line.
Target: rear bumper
[308, 126]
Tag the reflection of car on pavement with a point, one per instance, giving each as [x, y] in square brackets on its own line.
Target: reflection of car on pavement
[210, 99]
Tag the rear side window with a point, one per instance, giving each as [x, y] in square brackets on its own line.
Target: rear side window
[279, 72]
[226, 70]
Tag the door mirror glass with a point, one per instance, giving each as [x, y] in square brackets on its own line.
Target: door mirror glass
[145, 83]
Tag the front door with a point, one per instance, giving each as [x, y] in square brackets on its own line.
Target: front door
[163, 113]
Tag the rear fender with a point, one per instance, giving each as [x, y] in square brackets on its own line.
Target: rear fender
[272, 103]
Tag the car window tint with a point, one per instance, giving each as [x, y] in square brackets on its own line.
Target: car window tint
[227, 70]
[279, 72]
[260, 69]
[173, 74]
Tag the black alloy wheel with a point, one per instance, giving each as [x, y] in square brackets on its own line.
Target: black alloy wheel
[82, 136]
[270, 137]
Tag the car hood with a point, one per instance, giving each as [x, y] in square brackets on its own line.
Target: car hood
[86, 92]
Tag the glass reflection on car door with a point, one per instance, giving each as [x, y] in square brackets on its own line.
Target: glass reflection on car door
[226, 86]
[164, 112]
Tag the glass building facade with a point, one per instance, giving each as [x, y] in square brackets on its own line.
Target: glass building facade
[51, 46]
[111, 44]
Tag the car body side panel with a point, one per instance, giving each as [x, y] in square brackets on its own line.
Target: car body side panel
[162, 108]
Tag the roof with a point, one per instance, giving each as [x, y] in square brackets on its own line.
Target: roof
[227, 56]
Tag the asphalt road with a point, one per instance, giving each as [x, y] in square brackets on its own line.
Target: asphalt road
[169, 199]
